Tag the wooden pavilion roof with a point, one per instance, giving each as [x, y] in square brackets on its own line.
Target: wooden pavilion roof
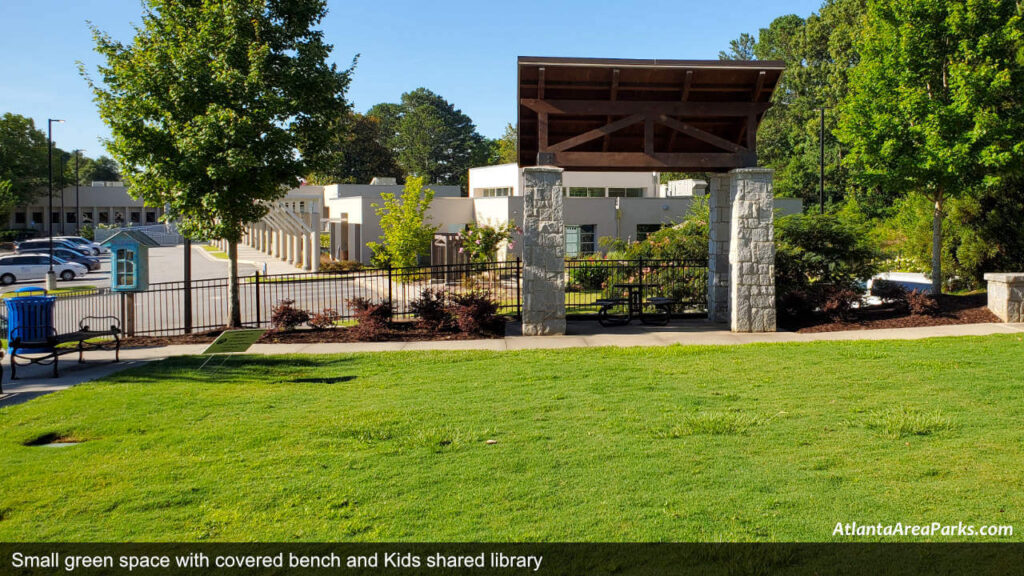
[614, 114]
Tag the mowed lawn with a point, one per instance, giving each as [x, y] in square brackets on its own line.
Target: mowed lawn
[759, 442]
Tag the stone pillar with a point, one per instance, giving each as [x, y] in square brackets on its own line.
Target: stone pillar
[1006, 296]
[314, 251]
[543, 252]
[720, 210]
[752, 252]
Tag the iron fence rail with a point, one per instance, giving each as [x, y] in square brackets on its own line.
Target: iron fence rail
[160, 310]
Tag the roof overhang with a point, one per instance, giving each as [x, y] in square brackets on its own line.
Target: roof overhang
[617, 114]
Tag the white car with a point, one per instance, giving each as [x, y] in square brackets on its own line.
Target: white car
[85, 243]
[35, 266]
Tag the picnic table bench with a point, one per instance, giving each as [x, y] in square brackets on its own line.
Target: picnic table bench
[48, 350]
[607, 317]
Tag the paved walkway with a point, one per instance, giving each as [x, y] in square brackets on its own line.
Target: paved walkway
[34, 381]
[249, 260]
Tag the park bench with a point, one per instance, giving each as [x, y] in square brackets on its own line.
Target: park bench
[664, 307]
[46, 351]
[604, 315]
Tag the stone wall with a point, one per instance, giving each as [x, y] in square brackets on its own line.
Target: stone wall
[720, 210]
[1006, 296]
[752, 252]
[543, 252]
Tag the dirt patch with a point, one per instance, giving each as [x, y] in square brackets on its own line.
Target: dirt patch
[970, 309]
[396, 332]
[157, 341]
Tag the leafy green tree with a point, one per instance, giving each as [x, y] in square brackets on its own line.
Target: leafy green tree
[356, 152]
[934, 104]
[217, 107]
[430, 137]
[102, 169]
[507, 146]
[23, 161]
[740, 49]
[405, 234]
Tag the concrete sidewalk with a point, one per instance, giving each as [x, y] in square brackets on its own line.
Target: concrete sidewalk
[34, 380]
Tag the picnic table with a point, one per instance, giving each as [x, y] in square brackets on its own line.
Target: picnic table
[634, 306]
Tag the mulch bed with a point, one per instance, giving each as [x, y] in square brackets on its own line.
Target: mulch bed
[397, 332]
[969, 309]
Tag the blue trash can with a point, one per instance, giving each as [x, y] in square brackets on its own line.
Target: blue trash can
[31, 316]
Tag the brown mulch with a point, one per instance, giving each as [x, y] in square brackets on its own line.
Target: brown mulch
[397, 332]
[156, 341]
[969, 309]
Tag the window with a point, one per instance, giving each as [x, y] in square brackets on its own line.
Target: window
[625, 192]
[494, 192]
[135, 216]
[150, 217]
[579, 240]
[645, 230]
[19, 217]
[104, 218]
[71, 218]
[578, 192]
[55, 217]
[125, 267]
[37, 217]
[87, 217]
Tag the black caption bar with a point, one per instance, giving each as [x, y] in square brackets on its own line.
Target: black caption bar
[509, 559]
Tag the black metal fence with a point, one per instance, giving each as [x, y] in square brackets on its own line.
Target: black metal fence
[591, 279]
[161, 309]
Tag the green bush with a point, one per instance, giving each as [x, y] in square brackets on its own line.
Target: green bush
[819, 260]
[590, 273]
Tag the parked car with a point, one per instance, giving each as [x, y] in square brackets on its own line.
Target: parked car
[35, 243]
[96, 247]
[35, 266]
[90, 262]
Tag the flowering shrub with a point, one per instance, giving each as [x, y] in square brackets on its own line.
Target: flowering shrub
[473, 311]
[481, 242]
[372, 317]
[325, 319]
[432, 309]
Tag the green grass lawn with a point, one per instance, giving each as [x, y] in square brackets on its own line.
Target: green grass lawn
[761, 442]
[214, 251]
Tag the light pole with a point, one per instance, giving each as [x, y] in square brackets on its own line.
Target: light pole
[78, 200]
[51, 276]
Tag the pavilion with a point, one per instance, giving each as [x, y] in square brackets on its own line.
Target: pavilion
[659, 115]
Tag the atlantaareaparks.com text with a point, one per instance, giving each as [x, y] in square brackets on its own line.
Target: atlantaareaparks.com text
[933, 529]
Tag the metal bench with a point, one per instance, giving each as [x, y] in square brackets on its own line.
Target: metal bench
[664, 307]
[604, 315]
[47, 351]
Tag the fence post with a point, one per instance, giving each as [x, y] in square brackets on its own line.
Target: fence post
[519, 294]
[257, 282]
[391, 281]
[129, 305]
[187, 311]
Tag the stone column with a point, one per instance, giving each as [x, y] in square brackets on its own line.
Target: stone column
[720, 210]
[752, 252]
[543, 252]
[1006, 296]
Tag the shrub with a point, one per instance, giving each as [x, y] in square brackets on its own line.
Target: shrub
[590, 273]
[432, 309]
[888, 291]
[474, 311]
[838, 304]
[334, 266]
[372, 318]
[922, 304]
[325, 319]
[286, 316]
[818, 258]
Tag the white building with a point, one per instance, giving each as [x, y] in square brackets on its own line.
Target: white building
[623, 205]
[98, 203]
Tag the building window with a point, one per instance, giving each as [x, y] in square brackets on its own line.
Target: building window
[494, 192]
[135, 216]
[87, 217]
[645, 230]
[579, 240]
[125, 261]
[19, 217]
[625, 192]
[150, 217]
[71, 218]
[37, 217]
[582, 192]
[104, 217]
[54, 217]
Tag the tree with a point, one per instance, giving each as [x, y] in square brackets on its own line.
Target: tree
[934, 105]
[430, 137]
[356, 152]
[102, 169]
[508, 146]
[740, 49]
[217, 107]
[22, 161]
[405, 234]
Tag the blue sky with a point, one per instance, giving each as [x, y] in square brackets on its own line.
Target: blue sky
[463, 50]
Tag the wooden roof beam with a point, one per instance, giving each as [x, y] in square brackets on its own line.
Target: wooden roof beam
[596, 133]
[613, 96]
[625, 108]
[699, 134]
[655, 161]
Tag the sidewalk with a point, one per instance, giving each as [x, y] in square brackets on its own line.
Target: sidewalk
[248, 256]
[34, 380]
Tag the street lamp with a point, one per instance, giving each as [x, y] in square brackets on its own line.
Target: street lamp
[51, 276]
[78, 201]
